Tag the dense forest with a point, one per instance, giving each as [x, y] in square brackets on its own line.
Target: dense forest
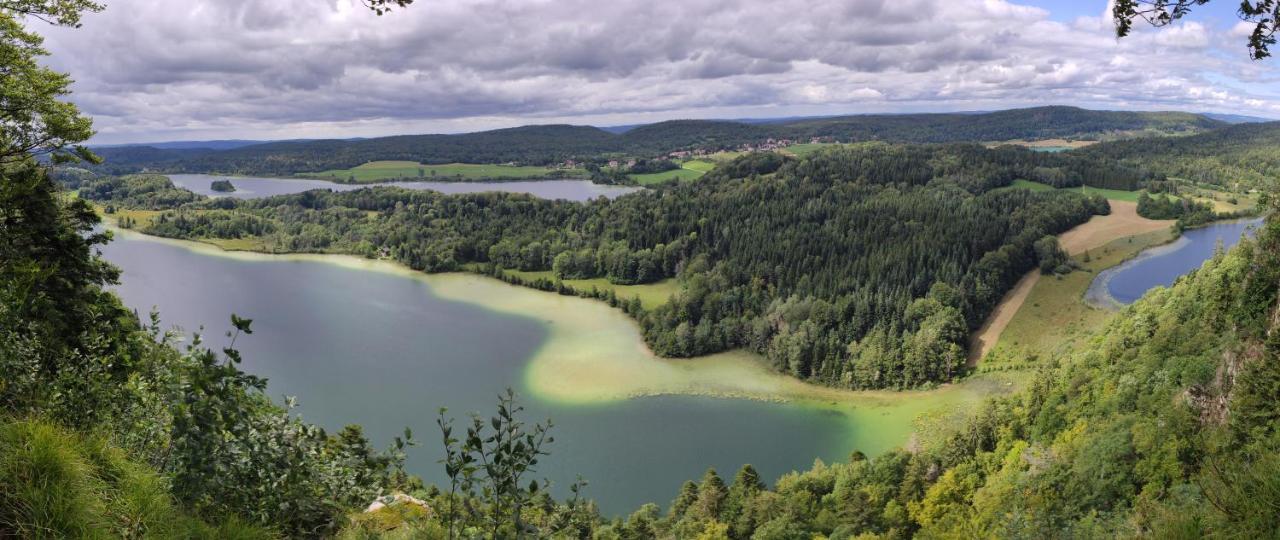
[1239, 157]
[862, 267]
[1164, 425]
[544, 145]
[1026, 124]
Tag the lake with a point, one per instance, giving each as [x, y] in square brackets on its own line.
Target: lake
[385, 350]
[1162, 265]
[251, 187]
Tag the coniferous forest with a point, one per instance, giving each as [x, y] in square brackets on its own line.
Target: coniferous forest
[547, 145]
[863, 268]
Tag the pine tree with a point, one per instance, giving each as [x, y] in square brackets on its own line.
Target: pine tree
[711, 495]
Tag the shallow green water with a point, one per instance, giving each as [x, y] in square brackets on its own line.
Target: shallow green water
[386, 350]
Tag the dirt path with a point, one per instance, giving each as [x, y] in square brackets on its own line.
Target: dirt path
[985, 338]
[1095, 233]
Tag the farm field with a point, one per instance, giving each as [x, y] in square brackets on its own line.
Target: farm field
[1111, 194]
[802, 150]
[1053, 316]
[698, 165]
[655, 178]
[689, 170]
[1119, 236]
[1221, 200]
[377, 171]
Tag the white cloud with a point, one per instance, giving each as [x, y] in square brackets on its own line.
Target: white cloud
[156, 69]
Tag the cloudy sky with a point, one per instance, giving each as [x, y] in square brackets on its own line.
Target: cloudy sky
[153, 70]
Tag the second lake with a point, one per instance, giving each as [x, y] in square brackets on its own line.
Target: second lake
[1162, 265]
[251, 187]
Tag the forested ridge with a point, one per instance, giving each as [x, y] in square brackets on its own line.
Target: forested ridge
[861, 267]
[551, 144]
[1163, 425]
[1026, 124]
[1243, 156]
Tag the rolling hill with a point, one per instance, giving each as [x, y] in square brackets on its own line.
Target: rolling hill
[547, 144]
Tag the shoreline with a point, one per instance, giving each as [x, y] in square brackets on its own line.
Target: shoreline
[1099, 231]
[594, 355]
[1098, 295]
[396, 180]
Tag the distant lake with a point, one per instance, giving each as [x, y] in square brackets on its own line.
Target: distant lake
[1050, 148]
[1162, 265]
[251, 187]
[385, 350]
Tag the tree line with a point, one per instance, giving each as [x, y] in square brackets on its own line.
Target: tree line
[862, 267]
[549, 145]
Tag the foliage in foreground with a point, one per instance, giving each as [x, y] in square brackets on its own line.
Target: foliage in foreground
[71, 355]
[57, 484]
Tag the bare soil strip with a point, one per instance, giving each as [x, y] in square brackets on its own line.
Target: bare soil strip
[1095, 233]
[985, 338]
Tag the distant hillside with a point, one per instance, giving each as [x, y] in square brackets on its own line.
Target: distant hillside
[1029, 124]
[1238, 118]
[1245, 154]
[541, 145]
[223, 144]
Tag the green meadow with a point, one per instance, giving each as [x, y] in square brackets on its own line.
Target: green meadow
[802, 150]
[1055, 316]
[1112, 194]
[376, 171]
[689, 170]
[1221, 200]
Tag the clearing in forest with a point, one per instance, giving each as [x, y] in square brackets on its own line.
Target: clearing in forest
[1107, 241]
[689, 170]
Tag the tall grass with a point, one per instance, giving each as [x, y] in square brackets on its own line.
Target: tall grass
[55, 483]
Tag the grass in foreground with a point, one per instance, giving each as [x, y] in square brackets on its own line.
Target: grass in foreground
[55, 483]
[375, 171]
[1054, 316]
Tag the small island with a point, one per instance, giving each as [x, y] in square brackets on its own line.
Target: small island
[222, 186]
